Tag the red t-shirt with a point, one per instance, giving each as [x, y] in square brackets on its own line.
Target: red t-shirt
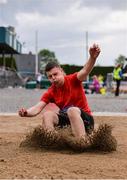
[71, 93]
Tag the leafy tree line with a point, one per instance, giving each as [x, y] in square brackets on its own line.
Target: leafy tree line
[120, 60]
[46, 56]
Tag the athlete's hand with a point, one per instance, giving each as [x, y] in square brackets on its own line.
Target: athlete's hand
[23, 112]
[94, 51]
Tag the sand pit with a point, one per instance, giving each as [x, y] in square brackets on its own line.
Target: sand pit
[17, 161]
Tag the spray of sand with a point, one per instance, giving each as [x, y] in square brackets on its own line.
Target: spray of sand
[63, 139]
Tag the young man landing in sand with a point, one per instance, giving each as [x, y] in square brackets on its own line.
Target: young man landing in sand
[67, 93]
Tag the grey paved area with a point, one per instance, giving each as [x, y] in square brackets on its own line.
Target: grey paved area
[13, 99]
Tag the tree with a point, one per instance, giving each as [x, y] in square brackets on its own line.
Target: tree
[120, 60]
[46, 56]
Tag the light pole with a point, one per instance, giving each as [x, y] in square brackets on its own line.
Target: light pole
[36, 53]
[87, 50]
[86, 45]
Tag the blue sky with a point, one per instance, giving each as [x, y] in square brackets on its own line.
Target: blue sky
[62, 27]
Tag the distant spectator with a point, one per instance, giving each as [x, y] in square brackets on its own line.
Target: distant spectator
[38, 80]
[95, 87]
[117, 75]
[124, 70]
[101, 80]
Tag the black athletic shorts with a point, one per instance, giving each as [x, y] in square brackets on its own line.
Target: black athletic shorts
[87, 119]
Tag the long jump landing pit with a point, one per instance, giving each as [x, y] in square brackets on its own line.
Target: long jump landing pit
[29, 163]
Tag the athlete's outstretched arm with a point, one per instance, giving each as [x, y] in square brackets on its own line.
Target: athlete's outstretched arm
[94, 52]
[33, 111]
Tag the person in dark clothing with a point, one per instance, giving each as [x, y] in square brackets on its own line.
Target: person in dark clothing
[117, 75]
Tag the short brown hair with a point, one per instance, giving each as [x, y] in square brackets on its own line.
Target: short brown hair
[51, 65]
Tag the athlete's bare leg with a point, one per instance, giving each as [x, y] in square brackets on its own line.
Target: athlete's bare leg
[76, 122]
[49, 120]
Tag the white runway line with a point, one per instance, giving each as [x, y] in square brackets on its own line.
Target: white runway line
[109, 114]
[94, 114]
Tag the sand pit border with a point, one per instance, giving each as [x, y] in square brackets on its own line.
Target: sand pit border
[94, 114]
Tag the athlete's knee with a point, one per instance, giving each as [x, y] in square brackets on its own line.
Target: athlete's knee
[72, 111]
[48, 114]
[49, 117]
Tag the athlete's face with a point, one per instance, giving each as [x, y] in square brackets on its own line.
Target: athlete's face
[56, 76]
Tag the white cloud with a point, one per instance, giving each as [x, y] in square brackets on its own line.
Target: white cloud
[62, 25]
[3, 1]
